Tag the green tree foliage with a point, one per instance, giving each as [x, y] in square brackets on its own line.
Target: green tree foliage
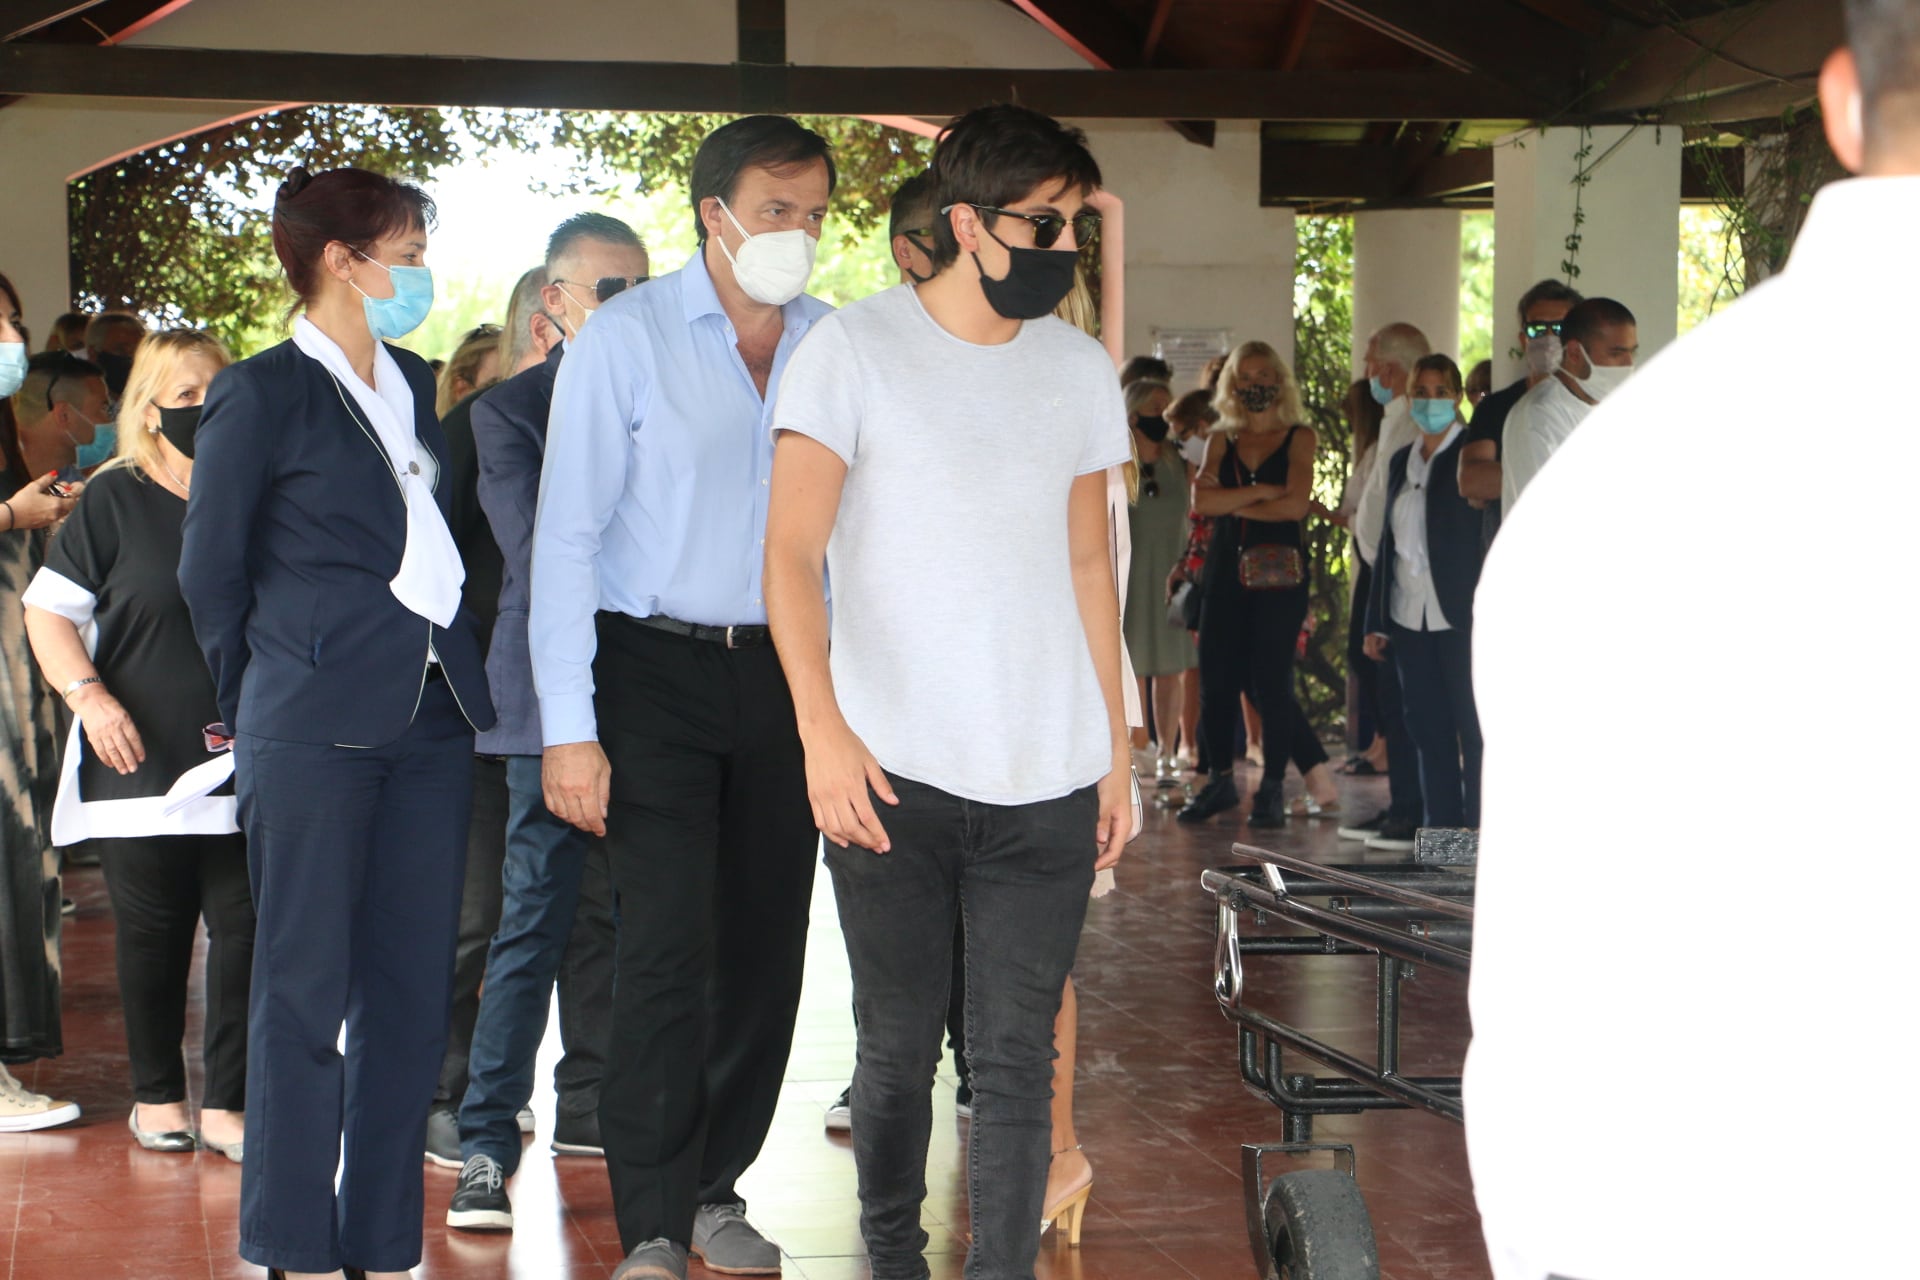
[181, 232]
[1323, 354]
[1478, 331]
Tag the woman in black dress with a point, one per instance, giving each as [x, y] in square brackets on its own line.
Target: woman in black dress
[1257, 483]
[141, 778]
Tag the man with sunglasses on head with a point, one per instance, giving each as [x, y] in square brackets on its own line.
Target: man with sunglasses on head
[556, 908]
[668, 726]
[1599, 339]
[965, 745]
[1542, 308]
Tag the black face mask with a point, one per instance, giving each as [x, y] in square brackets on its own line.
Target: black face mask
[178, 426]
[1036, 281]
[1154, 429]
[116, 370]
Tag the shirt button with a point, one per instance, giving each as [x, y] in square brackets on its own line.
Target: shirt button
[763, 482]
[413, 468]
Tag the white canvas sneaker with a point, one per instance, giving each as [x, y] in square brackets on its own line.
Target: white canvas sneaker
[22, 1110]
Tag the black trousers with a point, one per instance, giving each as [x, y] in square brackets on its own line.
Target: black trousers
[1247, 640]
[479, 917]
[160, 887]
[711, 846]
[1364, 672]
[1436, 680]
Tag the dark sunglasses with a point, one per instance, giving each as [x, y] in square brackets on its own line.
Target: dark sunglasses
[607, 286]
[1541, 328]
[1149, 487]
[1048, 226]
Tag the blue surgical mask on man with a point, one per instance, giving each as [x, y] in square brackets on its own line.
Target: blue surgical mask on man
[1434, 416]
[1382, 393]
[99, 449]
[407, 309]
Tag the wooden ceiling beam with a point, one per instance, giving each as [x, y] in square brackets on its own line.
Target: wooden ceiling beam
[99, 22]
[1499, 39]
[262, 75]
[20, 18]
[1294, 32]
[1097, 32]
[1371, 174]
[1674, 71]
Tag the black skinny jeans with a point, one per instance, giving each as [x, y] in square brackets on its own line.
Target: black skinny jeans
[1018, 876]
[1247, 641]
[160, 887]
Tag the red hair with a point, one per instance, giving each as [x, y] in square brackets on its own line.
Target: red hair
[352, 206]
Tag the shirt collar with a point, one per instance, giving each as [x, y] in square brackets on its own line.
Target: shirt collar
[1418, 464]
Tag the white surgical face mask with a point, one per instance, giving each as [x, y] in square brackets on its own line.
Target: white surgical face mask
[1603, 380]
[772, 267]
[1543, 355]
[1194, 449]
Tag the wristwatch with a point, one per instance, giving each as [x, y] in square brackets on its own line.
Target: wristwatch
[76, 686]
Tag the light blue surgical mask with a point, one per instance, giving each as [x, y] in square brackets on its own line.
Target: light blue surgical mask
[407, 309]
[1434, 416]
[1382, 393]
[13, 367]
[90, 455]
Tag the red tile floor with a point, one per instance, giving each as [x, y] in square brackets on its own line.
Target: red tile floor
[1161, 1112]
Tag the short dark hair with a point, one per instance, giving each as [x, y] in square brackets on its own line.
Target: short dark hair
[996, 155]
[1884, 36]
[752, 142]
[912, 208]
[106, 322]
[1548, 291]
[47, 370]
[1584, 323]
[1442, 364]
[1138, 367]
[589, 226]
[353, 206]
[1480, 378]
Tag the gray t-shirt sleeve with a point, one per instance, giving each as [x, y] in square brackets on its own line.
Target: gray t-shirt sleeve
[1107, 444]
[820, 391]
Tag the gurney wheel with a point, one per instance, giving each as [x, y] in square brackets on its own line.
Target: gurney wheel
[1319, 1229]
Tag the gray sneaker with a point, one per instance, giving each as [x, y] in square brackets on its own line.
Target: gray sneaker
[727, 1242]
[654, 1260]
[443, 1138]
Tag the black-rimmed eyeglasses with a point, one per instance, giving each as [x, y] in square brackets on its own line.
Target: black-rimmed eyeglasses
[1047, 226]
[608, 286]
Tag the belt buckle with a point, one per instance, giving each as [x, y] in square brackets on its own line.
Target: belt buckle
[730, 643]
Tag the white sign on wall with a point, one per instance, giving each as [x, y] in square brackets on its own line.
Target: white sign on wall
[1189, 350]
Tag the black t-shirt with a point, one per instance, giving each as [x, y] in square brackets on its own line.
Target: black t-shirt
[122, 544]
[1490, 419]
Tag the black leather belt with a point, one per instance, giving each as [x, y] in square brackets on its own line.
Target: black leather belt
[732, 637]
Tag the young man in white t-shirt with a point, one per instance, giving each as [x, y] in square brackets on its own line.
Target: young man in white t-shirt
[1601, 339]
[965, 743]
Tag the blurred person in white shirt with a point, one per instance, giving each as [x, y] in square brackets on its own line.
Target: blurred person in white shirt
[1679, 1005]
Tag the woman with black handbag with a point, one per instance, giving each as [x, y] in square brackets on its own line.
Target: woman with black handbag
[1257, 482]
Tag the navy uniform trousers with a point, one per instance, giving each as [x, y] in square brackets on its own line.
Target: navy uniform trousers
[356, 857]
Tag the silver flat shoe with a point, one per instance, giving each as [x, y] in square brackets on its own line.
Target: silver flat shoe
[175, 1141]
[231, 1150]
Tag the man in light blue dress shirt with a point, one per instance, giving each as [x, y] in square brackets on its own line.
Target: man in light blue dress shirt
[667, 722]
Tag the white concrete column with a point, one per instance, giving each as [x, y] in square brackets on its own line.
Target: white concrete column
[1201, 252]
[1629, 241]
[1406, 267]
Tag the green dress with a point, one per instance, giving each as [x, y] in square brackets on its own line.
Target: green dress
[1157, 522]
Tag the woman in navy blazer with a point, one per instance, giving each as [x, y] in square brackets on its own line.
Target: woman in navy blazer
[1420, 612]
[324, 589]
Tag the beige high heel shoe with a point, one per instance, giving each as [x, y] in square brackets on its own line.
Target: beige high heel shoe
[1069, 1211]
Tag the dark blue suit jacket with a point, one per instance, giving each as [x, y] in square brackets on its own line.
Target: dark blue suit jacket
[294, 529]
[510, 435]
[1454, 544]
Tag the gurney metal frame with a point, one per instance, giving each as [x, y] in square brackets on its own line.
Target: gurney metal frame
[1405, 915]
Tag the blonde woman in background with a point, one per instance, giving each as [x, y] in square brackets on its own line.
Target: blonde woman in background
[1257, 484]
[146, 776]
[473, 366]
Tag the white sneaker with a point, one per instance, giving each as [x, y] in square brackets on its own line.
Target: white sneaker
[22, 1110]
[525, 1119]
